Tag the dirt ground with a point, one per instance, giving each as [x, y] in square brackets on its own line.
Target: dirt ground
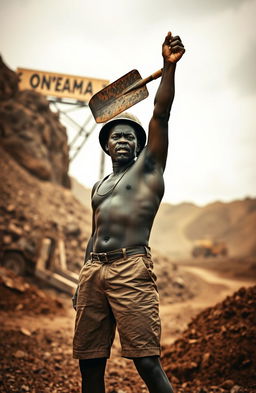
[37, 327]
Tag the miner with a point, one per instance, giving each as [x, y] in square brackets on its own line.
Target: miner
[117, 285]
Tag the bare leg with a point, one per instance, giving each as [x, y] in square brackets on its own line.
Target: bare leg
[153, 375]
[92, 371]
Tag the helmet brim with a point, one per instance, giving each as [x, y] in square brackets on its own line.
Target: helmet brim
[105, 130]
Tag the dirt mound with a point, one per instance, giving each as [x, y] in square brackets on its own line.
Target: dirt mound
[37, 363]
[33, 358]
[20, 296]
[31, 132]
[218, 348]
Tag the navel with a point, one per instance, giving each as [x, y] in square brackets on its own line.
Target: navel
[128, 187]
[106, 238]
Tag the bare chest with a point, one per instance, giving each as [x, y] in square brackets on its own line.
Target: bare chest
[115, 190]
[127, 197]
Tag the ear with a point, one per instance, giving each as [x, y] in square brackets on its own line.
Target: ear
[138, 148]
[106, 147]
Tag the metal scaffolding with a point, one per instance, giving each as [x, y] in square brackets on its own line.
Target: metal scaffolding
[81, 129]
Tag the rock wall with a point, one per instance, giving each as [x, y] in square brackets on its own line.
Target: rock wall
[31, 209]
[31, 132]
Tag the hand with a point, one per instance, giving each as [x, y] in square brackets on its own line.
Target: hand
[172, 48]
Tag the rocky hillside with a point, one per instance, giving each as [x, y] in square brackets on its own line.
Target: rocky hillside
[233, 222]
[82, 193]
[31, 132]
[177, 227]
[31, 209]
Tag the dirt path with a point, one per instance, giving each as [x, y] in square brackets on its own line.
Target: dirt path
[213, 289]
[214, 278]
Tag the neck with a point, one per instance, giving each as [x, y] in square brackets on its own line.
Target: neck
[119, 167]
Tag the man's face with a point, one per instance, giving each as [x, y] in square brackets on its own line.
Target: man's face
[122, 143]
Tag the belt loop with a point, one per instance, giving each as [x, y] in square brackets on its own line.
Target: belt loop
[124, 253]
[148, 253]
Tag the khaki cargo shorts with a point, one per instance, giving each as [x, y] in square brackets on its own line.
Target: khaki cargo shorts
[120, 294]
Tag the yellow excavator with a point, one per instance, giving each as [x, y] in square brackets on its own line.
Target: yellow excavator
[209, 248]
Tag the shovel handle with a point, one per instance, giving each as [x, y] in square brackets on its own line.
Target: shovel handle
[144, 81]
[153, 76]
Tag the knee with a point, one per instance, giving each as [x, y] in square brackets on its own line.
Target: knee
[147, 365]
[90, 367]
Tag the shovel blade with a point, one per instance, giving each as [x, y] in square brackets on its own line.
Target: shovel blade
[117, 97]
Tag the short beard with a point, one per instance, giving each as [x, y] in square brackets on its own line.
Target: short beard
[124, 160]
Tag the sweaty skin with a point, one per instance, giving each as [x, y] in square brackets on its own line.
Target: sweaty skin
[125, 204]
[124, 211]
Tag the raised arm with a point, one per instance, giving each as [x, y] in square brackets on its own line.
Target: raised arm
[172, 51]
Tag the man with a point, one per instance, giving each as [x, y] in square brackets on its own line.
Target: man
[117, 285]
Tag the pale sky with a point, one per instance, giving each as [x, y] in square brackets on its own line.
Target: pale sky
[212, 127]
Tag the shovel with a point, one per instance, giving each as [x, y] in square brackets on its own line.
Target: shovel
[120, 95]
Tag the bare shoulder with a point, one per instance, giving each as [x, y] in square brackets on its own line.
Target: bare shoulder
[149, 171]
[147, 162]
[94, 188]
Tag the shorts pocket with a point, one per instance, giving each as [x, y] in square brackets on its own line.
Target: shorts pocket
[85, 266]
[146, 269]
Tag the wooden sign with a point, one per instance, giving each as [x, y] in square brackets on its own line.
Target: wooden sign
[60, 85]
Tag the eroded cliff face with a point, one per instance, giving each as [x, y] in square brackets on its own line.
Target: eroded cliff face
[32, 209]
[30, 132]
[35, 199]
